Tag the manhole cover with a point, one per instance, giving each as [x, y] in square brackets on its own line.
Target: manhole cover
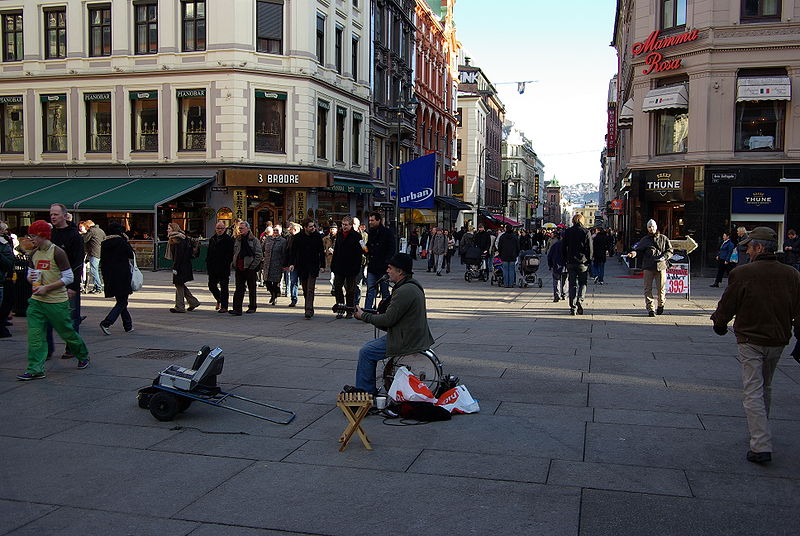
[166, 355]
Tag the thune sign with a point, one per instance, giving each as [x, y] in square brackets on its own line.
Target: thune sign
[655, 60]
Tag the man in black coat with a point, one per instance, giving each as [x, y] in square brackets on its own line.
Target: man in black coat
[577, 244]
[380, 248]
[65, 235]
[307, 256]
[218, 265]
[346, 264]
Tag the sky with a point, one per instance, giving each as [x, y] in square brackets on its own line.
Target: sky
[566, 47]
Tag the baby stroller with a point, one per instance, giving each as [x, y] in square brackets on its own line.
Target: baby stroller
[497, 272]
[527, 266]
[474, 262]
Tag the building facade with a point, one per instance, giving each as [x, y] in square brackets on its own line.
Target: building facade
[188, 111]
[552, 203]
[710, 139]
[522, 186]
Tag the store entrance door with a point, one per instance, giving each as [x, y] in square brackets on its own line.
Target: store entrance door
[669, 217]
[266, 212]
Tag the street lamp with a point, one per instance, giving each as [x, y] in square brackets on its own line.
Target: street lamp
[506, 181]
[403, 107]
[480, 159]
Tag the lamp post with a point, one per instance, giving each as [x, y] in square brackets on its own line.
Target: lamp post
[506, 181]
[478, 185]
[403, 107]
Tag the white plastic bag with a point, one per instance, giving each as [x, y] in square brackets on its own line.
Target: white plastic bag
[408, 388]
[458, 400]
[137, 279]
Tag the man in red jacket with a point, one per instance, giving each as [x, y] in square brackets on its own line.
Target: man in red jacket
[763, 327]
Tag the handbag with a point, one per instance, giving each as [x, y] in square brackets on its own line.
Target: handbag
[137, 279]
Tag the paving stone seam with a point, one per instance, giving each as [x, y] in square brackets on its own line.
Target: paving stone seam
[213, 489]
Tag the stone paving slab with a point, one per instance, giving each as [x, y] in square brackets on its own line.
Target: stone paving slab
[236, 445]
[518, 508]
[14, 514]
[485, 466]
[617, 477]
[78, 522]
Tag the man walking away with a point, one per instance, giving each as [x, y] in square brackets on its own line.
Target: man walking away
[346, 264]
[555, 262]
[50, 274]
[92, 238]
[308, 259]
[577, 251]
[508, 251]
[65, 235]
[380, 247]
[218, 265]
[655, 250]
[247, 255]
[763, 326]
[599, 249]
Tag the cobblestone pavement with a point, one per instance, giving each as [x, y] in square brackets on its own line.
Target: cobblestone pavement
[608, 423]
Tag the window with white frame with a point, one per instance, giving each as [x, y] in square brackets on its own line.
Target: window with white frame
[54, 121]
[98, 122]
[144, 121]
[270, 122]
[191, 119]
[269, 26]
[12, 137]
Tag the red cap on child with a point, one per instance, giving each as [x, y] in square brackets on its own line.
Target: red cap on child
[40, 228]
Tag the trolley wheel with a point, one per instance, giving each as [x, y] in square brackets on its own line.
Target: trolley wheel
[183, 404]
[164, 406]
[467, 277]
[424, 365]
[143, 397]
[540, 282]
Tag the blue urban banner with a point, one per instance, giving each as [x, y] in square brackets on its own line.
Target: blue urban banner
[416, 182]
[758, 200]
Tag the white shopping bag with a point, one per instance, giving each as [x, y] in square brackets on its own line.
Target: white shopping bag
[458, 400]
[408, 388]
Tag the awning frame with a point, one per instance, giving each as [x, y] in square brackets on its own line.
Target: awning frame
[665, 98]
[766, 88]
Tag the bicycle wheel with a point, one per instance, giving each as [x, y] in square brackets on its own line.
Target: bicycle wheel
[424, 365]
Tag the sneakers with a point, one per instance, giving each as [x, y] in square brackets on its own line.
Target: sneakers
[660, 310]
[106, 329]
[128, 330]
[755, 457]
[27, 376]
[83, 363]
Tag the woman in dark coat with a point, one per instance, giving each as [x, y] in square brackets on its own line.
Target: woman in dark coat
[274, 263]
[116, 256]
[179, 249]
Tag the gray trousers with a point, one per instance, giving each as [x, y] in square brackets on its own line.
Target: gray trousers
[758, 367]
[183, 295]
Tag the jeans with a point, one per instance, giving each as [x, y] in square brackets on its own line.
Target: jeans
[94, 270]
[293, 280]
[120, 308]
[75, 312]
[218, 286]
[559, 280]
[248, 278]
[578, 276]
[368, 357]
[599, 270]
[509, 273]
[369, 301]
[758, 367]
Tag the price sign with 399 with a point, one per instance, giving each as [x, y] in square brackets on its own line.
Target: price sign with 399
[678, 279]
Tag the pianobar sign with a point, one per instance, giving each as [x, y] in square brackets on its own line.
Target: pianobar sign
[278, 178]
[655, 60]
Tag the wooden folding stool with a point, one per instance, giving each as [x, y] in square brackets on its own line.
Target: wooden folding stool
[355, 407]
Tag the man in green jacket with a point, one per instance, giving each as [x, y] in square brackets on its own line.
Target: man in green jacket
[405, 322]
[764, 296]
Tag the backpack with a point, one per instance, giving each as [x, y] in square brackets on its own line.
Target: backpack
[195, 243]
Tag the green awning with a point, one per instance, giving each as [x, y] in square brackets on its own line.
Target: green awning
[94, 195]
[140, 195]
[14, 188]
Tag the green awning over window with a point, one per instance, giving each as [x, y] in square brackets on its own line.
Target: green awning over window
[94, 195]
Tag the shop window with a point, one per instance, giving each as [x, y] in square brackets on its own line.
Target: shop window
[354, 59]
[98, 122]
[225, 215]
[672, 131]
[13, 133]
[100, 30]
[321, 39]
[322, 129]
[269, 26]
[357, 118]
[54, 118]
[761, 10]
[191, 119]
[144, 121]
[12, 36]
[341, 119]
[193, 15]
[760, 125]
[338, 44]
[673, 14]
[270, 122]
[55, 33]
[146, 17]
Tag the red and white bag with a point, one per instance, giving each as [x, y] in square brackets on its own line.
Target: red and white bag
[458, 400]
[408, 388]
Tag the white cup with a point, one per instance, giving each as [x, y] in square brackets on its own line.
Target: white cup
[381, 401]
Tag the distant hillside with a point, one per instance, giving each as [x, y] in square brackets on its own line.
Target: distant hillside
[584, 192]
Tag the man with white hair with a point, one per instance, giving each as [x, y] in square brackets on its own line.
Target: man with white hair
[655, 250]
[763, 327]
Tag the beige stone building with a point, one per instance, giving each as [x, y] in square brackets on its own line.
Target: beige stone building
[709, 133]
[156, 111]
